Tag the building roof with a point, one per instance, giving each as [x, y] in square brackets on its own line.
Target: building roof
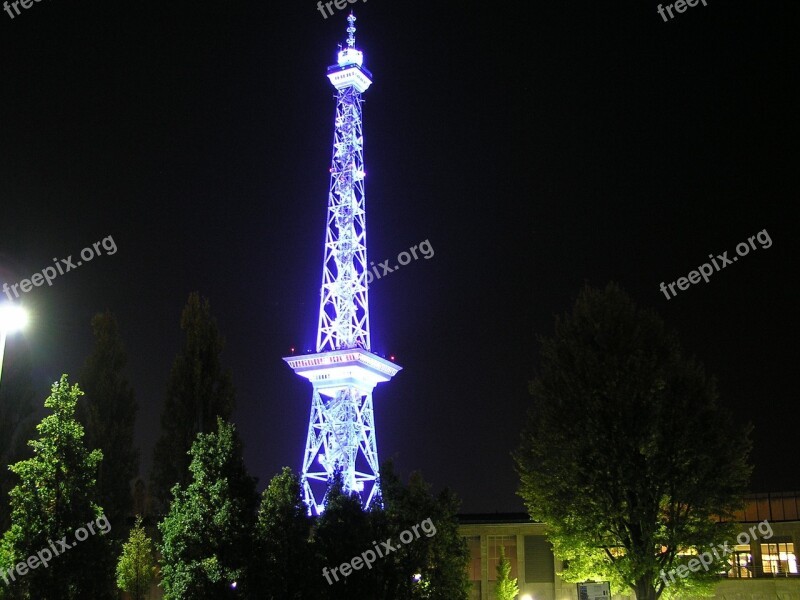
[769, 506]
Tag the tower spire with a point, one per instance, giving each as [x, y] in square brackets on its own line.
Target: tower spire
[351, 30]
[344, 372]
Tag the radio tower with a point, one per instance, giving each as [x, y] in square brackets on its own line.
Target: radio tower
[343, 372]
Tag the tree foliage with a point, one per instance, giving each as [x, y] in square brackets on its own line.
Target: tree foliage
[55, 496]
[136, 568]
[429, 564]
[342, 532]
[285, 568]
[211, 537]
[434, 565]
[208, 533]
[505, 588]
[199, 391]
[109, 416]
[627, 455]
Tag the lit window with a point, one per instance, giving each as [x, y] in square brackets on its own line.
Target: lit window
[741, 562]
[779, 559]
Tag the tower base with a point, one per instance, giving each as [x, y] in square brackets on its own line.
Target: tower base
[341, 427]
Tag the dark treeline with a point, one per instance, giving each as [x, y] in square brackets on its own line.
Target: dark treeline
[80, 523]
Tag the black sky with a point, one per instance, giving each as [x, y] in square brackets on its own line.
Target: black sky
[537, 146]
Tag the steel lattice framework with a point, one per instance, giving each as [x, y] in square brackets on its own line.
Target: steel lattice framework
[343, 305]
[343, 371]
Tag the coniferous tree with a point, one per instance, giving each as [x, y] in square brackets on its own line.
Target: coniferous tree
[207, 547]
[284, 555]
[506, 588]
[54, 499]
[199, 391]
[627, 454]
[109, 415]
[136, 568]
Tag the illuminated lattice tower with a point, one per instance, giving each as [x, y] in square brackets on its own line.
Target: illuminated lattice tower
[344, 372]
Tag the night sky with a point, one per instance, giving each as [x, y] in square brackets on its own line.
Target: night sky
[537, 146]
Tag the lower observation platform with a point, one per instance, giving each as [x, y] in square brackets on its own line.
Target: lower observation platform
[335, 370]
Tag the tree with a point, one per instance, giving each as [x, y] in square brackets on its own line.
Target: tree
[282, 534]
[433, 564]
[441, 558]
[207, 547]
[54, 499]
[198, 392]
[136, 569]
[506, 588]
[109, 416]
[425, 559]
[17, 424]
[627, 455]
[342, 532]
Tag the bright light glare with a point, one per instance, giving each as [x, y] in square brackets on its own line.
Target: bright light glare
[12, 318]
[527, 597]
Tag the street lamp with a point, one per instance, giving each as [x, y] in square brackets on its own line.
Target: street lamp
[12, 318]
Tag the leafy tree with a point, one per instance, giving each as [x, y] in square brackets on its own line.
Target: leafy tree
[6, 562]
[285, 569]
[432, 565]
[198, 392]
[506, 588]
[136, 569]
[17, 424]
[342, 532]
[109, 416]
[627, 455]
[444, 555]
[207, 535]
[56, 496]
[426, 557]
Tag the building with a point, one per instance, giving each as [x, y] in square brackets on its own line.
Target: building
[764, 568]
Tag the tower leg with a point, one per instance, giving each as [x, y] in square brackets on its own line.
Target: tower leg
[341, 437]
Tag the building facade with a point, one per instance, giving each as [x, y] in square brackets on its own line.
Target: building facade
[763, 568]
